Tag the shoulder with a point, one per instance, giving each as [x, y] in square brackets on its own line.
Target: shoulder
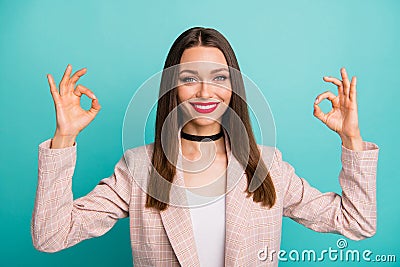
[136, 164]
[272, 157]
[139, 151]
[270, 154]
[137, 156]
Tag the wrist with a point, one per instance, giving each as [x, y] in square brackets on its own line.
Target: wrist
[353, 143]
[62, 141]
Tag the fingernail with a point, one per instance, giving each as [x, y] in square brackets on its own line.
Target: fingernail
[316, 100]
[94, 97]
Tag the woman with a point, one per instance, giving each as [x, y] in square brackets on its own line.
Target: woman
[165, 227]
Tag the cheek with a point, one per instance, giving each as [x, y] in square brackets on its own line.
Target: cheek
[183, 94]
[224, 92]
[226, 96]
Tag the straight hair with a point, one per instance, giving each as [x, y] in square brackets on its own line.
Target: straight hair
[166, 146]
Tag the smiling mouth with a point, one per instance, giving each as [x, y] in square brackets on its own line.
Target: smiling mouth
[204, 107]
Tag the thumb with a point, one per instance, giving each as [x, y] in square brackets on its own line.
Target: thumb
[319, 114]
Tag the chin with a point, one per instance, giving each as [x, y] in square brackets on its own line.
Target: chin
[202, 122]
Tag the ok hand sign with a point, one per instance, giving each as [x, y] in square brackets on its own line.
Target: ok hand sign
[71, 117]
[343, 117]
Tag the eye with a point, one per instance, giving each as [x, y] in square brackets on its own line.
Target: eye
[188, 79]
[221, 78]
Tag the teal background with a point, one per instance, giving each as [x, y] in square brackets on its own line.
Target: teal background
[285, 47]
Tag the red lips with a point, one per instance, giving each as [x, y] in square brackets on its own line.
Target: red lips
[202, 107]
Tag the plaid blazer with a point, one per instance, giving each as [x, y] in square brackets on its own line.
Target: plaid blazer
[165, 238]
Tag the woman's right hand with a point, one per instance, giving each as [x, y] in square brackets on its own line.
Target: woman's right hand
[71, 117]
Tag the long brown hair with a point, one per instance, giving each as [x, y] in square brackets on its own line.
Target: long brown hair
[248, 155]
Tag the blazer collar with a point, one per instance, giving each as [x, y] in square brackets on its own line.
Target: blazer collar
[177, 221]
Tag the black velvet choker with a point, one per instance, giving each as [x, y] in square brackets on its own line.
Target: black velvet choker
[202, 138]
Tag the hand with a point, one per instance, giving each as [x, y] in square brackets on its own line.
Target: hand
[343, 118]
[71, 118]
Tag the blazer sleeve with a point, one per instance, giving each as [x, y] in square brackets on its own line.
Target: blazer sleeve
[58, 221]
[353, 213]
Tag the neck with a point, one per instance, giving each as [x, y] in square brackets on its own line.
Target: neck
[202, 130]
[192, 148]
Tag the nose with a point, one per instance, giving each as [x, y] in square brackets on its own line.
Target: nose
[205, 90]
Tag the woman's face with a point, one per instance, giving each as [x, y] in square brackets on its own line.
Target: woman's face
[204, 87]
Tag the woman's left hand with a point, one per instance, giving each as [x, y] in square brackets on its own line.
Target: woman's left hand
[343, 117]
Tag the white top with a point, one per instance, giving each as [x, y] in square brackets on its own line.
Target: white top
[208, 222]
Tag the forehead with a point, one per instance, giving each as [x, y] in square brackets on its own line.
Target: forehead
[201, 53]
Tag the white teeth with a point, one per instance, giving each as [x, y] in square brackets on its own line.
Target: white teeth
[205, 106]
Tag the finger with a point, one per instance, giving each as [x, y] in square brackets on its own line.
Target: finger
[333, 80]
[336, 82]
[346, 82]
[328, 94]
[53, 88]
[65, 79]
[76, 77]
[80, 89]
[95, 108]
[353, 91]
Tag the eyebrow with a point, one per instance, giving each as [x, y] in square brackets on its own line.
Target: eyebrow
[212, 72]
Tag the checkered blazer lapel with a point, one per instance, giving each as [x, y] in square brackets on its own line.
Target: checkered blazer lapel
[178, 225]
